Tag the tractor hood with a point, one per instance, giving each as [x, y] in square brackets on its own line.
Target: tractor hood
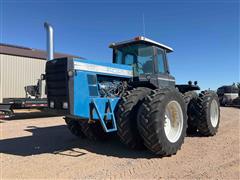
[103, 68]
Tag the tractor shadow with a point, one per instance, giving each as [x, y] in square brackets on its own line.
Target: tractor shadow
[59, 141]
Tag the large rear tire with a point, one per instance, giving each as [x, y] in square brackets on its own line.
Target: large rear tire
[75, 127]
[126, 117]
[162, 121]
[209, 113]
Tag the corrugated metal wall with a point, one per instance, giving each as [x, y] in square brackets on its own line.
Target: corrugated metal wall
[0, 78]
[18, 72]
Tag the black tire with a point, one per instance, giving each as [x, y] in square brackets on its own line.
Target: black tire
[190, 99]
[205, 126]
[74, 127]
[151, 120]
[126, 117]
[93, 131]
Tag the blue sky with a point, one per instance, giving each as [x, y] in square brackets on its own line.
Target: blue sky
[204, 34]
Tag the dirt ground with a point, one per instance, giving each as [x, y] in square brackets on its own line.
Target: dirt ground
[34, 146]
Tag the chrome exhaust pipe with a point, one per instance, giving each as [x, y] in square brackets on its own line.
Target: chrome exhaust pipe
[50, 43]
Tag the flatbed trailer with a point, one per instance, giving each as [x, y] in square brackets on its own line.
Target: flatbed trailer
[7, 107]
[6, 111]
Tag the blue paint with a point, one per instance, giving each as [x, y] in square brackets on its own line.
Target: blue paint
[81, 95]
[104, 108]
[95, 107]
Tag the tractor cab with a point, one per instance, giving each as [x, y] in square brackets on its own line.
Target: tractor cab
[148, 59]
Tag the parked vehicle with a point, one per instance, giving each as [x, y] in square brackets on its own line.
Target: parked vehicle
[228, 95]
[135, 96]
[35, 98]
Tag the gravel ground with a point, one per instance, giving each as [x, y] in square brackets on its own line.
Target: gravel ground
[34, 146]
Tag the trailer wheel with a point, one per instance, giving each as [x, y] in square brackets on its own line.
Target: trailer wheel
[126, 117]
[190, 99]
[93, 131]
[162, 121]
[209, 111]
[74, 127]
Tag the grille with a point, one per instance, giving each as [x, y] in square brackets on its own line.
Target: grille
[57, 81]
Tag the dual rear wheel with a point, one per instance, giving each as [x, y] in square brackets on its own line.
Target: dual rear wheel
[162, 121]
[203, 113]
[159, 119]
[209, 113]
[155, 119]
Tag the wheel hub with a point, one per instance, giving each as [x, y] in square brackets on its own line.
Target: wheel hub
[214, 113]
[173, 123]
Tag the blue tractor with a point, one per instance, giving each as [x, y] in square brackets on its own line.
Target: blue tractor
[135, 96]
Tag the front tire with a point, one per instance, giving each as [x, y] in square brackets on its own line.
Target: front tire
[126, 117]
[74, 127]
[93, 131]
[162, 121]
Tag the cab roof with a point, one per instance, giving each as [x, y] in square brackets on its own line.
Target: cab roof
[141, 39]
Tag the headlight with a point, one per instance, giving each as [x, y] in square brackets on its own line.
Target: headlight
[51, 104]
[71, 73]
[65, 105]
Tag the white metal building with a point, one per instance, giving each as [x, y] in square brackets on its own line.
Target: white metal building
[20, 67]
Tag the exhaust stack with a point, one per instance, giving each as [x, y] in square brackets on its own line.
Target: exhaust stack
[50, 44]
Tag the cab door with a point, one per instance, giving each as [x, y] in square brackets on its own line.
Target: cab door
[163, 77]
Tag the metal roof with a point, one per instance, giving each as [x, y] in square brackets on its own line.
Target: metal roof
[29, 52]
[141, 39]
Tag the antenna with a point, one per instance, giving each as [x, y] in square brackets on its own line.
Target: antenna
[143, 21]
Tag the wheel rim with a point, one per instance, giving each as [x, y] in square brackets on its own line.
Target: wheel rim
[173, 123]
[214, 113]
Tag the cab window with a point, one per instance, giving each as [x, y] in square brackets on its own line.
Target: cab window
[160, 59]
[129, 59]
[140, 56]
[118, 56]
